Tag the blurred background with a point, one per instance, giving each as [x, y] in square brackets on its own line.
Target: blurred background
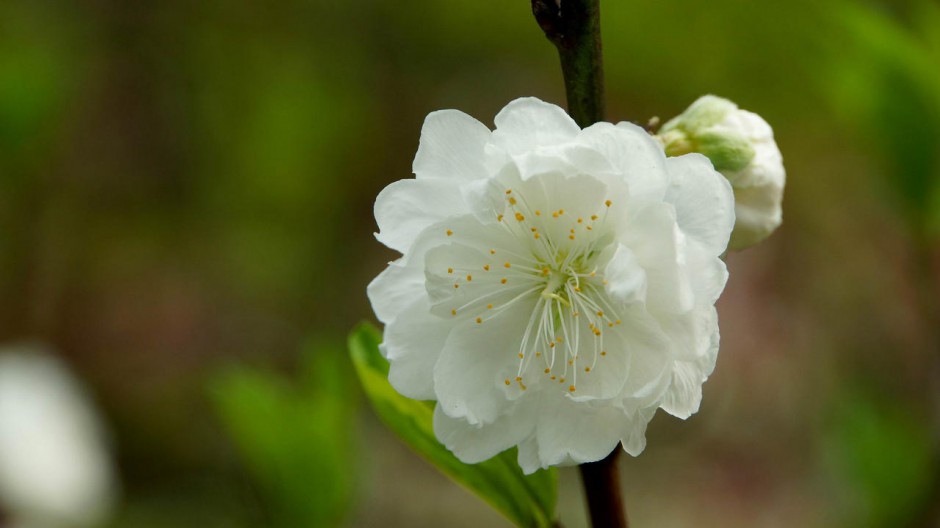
[186, 196]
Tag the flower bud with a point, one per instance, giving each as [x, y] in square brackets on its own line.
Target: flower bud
[740, 144]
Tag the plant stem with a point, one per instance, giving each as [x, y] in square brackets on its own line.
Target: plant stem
[602, 486]
[574, 27]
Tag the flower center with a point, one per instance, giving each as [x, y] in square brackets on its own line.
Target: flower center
[552, 270]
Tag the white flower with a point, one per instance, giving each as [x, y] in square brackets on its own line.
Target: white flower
[741, 146]
[557, 284]
[54, 468]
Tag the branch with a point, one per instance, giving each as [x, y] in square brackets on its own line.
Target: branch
[574, 27]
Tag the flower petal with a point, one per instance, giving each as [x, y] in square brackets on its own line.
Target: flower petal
[451, 147]
[659, 245]
[407, 207]
[572, 433]
[631, 151]
[413, 343]
[703, 200]
[626, 279]
[527, 123]
[398, 285]
[469, 377]
[476, 443]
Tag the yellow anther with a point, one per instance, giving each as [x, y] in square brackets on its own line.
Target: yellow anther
[469, 278]
[512, 200]
[507, 265]
[571, 388]
[553, 378]
[576, 314]
[486, 267]
[450, 270]
[533, 229]
[453, 312]
[518, 378]
[589, 228]
[577, 289]
[479, 320]
[559, 339]
[508, 382]
[520, 217]
[555, 215]
[561, 380]
[593, 217]
[607, 203]
[503, 280]
[499, 218]
[537, 236]
[580, 220]
[561, 211]
[571, 237]
[521, 355]
[603, 353]
[492, 252]
[593, 273]
[489, 306]
[508, 191]
[449, 232]
[548, 370]
[587, 369]
[611, 325]
[546, 271]
[538, 354]
[571, 362]
[618, 321]
[456, 286]
[600, 313]
[551, 345]
[538, 213]
[571, 231]
[597, 331]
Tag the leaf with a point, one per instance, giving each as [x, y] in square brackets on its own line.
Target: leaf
[527, 501]
[295, 438]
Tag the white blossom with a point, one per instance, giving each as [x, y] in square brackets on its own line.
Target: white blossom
[55, 470]
[741, 146]
[557, 285]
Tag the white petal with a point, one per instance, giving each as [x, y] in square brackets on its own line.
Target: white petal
[634, 441]
[398, 285]
[476, 443]
[759, 213]
[573, 433]
[451, 147]
[633, 153]
[407, 207]
[658, 243]
[708, 274]
[477, 358]
[527, 123]
[703, 200]
[685, 393]
[626, 279]
[528, 458]
[413, 343]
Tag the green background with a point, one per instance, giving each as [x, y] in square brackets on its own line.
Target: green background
[185, 214]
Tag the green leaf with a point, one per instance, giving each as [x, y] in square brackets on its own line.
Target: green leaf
[292, 435]
[525, 500]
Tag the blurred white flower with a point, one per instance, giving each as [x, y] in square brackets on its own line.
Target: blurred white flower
[741, 146]
[557, 284]
[55, 470]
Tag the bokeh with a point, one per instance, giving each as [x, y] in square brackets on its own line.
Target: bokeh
[186, 196]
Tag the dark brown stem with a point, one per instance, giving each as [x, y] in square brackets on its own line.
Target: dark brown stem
[602, 486]
[574, 27]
